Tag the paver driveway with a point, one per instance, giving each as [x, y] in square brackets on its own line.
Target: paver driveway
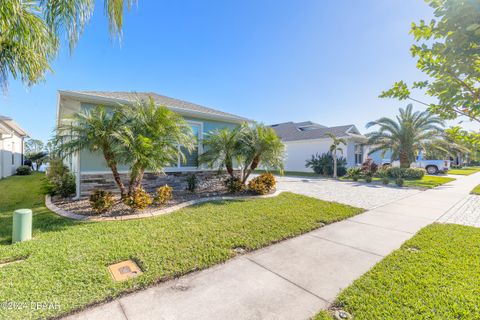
[362, 195]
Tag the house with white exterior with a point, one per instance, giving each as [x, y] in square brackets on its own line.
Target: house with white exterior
[12, 138]
[304, 139]
[90, 168]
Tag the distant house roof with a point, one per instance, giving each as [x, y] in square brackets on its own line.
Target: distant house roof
[7, 125]
[180, 106]
[297, 131]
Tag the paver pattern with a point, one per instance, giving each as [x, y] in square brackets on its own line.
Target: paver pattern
[467, 212]
[357, 194]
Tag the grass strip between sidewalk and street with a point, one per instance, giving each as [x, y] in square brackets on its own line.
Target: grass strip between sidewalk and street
[434, 275]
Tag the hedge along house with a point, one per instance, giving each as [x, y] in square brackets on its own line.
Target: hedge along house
[304, 139]
[90, 169]
[12, 138]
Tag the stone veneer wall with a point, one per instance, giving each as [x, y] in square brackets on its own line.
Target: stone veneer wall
[206, 181]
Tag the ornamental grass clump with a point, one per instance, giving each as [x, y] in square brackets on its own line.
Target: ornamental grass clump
[164, 194]
[101, 201]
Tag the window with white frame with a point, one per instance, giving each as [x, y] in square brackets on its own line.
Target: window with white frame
[358, 154]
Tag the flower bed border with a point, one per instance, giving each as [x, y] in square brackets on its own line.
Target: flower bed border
[67, 214]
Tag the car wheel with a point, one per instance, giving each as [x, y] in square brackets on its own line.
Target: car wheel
[432, 170]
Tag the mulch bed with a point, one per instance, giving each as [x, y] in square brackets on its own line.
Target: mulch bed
[82, 206]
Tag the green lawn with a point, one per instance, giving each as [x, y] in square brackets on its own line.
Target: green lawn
[438, 279]
[426, 182]
[67, 261]
[464, 171]
[476, 190]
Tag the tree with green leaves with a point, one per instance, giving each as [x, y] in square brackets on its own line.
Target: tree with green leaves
[94, 130]
[152, 137]
[30, 33]
[221, 149]
[447, 50]
[259, 145]
[35, 152]
[334, 148]
[405, 135]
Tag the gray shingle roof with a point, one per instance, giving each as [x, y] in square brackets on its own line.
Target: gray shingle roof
[160, 99]
[291, 131]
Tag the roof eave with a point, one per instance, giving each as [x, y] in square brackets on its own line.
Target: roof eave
[204, 115]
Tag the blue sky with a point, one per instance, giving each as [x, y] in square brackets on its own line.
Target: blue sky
[269, 60]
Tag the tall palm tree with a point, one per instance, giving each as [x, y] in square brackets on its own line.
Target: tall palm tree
[30, 32]
[259, 145]
[221, 149]
[334, 148]
[93, 130]
[151, 138]
[405, 135]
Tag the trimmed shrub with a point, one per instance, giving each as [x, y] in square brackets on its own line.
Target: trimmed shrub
[395, 172]
[399, 181]
[382, 173]
[164, 194]
[234, 185]
[414, 173]
[354, 173]
[192, 182]
[101, 201]
[138, 200]
[262, 184]
[368, 179]
[24, 170]
[406, 173]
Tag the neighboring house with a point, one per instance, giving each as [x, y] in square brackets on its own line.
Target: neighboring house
[304, 139]
[11, 146]
[91, 170]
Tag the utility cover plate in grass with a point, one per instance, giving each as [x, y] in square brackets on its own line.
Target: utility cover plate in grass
[124, 270]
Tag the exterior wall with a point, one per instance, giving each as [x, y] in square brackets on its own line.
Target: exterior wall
[92, 172]
[298, 152]
[207, 180]
[11, 154]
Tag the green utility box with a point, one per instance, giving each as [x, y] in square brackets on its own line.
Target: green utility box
[22, 225]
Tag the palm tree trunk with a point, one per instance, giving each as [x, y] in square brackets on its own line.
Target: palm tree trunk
[335, 165]
[250, 169]
[139, 179]
[112, 164]
[404, 161]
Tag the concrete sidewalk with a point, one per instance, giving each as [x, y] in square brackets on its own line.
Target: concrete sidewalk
[293, 279]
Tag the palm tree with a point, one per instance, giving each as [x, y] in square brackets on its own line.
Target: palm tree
[405, 135]
[259, 145]
[151, 138]
[31, 30]
[221, 149]
[334, 148]
[93, 130]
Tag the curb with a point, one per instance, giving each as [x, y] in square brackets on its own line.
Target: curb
[52, 207]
